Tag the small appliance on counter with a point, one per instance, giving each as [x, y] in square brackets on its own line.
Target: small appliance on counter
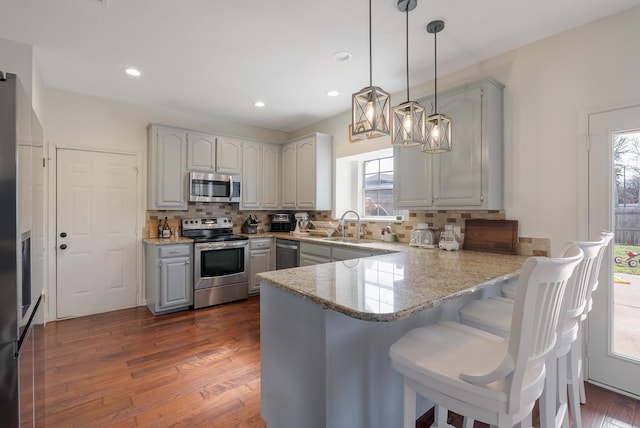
[282, 222]
[422, 237]
[302, 224]
[250, 225]
[448, 239]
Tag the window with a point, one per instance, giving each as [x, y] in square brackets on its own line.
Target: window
[364, 183]
[378, 187]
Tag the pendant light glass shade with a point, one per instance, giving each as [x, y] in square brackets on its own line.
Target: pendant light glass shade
[370, 113]
[438, 126]
[407, 125]
[438, 138]
[370, 106]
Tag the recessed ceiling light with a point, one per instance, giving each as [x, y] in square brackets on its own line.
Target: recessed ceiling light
[333, 93]
[259, 104]
[133, 72]
[342, 56]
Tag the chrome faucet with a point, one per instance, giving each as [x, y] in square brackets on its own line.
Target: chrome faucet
[342, 222]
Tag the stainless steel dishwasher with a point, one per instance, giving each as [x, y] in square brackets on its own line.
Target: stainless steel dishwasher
[287, 254]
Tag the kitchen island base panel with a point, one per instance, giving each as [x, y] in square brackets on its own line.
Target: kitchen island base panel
[320, 368]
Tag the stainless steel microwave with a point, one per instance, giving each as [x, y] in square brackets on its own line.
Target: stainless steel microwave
[209, 187]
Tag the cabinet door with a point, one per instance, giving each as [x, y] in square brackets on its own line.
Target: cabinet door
[289, 176]
[306, 173]
[270, 175]
[201, 152]
[229, 155]
[168, 169]
[175, 283]
[310, 260]
[251, 175]
[412, 178]
[260, 262]
[340, 253]
[457, 175]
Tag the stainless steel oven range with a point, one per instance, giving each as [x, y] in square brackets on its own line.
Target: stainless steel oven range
[220, 271]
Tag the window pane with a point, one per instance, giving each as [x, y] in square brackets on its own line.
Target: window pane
[371, 180]
[371, 167]
[386, 164]
[386, 179]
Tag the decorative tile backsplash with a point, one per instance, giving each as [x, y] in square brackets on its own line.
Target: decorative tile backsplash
[436, 219]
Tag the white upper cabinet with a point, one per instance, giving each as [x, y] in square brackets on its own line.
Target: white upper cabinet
[251, 175]
[412, 178]
[307, 173]
[471, 175]
[229, 155]
[167, 168]
[297, 175]
[289, 168]
[270, 176]
[260, 175]
[201, 152]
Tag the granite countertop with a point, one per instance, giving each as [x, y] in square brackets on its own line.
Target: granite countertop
[167, 241]
[394, 286]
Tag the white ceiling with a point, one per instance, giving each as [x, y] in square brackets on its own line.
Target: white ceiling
[216, 57]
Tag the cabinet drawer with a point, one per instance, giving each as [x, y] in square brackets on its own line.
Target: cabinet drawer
[257, 244]
[174, 251]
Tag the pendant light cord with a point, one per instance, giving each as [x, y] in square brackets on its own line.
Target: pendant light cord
[435, 70]
[407, 44]
[370, 50]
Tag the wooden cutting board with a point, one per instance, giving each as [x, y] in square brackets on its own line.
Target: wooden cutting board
[491, 236]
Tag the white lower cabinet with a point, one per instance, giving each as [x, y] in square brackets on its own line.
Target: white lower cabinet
[342, 253]
[261, 256]
[168, 277]
[471, 175]
[313, 254]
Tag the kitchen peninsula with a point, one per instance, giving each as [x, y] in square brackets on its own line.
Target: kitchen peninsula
[326, 330]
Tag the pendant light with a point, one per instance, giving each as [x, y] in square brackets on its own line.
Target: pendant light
[438, 126]
[407, 126]
[370, 106]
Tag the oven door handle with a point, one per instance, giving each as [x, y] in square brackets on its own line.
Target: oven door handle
[216, 246]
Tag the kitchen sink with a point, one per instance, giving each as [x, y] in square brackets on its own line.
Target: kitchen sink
[348, 240]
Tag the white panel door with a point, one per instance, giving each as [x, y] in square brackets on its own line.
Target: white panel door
[614, 337]
[96, 232]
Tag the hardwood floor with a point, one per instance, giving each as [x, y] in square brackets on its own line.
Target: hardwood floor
[130, 369]
[192, 369]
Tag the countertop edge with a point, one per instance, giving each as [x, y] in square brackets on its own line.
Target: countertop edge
[391, 316]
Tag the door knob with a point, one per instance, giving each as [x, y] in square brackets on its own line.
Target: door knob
[63, 235]
[63, 246]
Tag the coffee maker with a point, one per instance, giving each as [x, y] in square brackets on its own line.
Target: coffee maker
[282, 222]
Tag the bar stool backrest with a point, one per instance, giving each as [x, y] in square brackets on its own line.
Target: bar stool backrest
[539, 300]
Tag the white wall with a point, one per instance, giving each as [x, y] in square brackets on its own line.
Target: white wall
[550, 87]
[16, 58]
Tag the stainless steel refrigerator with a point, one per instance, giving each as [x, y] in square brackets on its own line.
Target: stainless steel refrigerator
[21, 259]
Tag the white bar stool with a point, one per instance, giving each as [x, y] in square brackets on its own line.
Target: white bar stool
[480, 375]
[493, 315]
